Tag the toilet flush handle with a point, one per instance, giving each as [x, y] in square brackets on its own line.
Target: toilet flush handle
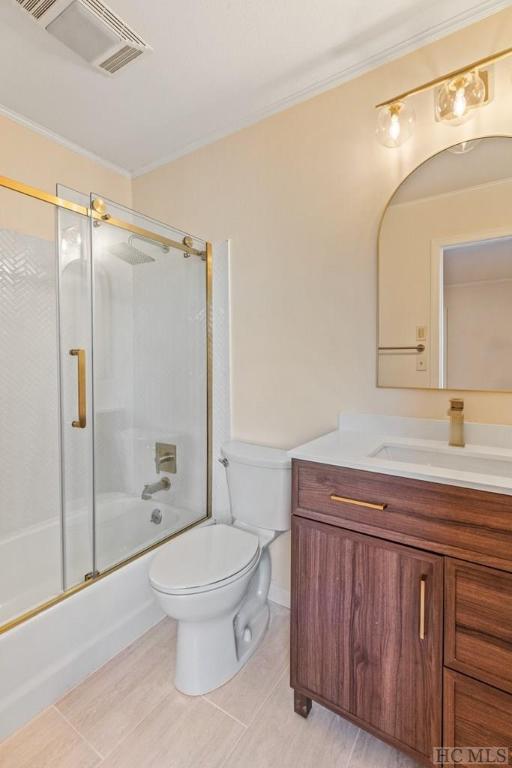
[224, 462]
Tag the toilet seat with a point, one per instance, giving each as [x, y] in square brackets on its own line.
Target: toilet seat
[203, 559]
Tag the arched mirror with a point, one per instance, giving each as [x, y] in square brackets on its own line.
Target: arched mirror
[445, 272]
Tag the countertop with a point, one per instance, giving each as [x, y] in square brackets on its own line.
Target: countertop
[359, 436]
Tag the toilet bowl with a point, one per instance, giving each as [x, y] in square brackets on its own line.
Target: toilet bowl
[214, 579]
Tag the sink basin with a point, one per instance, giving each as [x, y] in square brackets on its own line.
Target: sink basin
[447, 458]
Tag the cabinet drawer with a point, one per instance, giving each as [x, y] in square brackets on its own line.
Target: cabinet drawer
[478, 622]
[475, 715]
[456, 521]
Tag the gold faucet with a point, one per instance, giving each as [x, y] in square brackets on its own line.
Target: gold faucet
[456, 414]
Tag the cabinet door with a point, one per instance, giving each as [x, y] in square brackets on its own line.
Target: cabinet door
[367, 631]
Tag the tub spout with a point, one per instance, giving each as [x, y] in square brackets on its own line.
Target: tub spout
[150, 488]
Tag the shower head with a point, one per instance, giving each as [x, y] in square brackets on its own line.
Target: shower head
[131, 255]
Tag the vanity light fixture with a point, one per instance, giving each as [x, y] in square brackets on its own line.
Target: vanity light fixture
[457, 95]
[395, 123]
[456, 98]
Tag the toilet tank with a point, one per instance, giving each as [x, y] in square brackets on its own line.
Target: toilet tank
[259, 482]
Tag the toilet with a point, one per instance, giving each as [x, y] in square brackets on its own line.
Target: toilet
[214, 579]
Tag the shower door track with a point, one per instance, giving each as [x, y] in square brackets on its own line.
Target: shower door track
[99, 213]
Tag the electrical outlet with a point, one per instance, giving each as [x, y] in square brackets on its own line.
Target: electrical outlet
[421, 362]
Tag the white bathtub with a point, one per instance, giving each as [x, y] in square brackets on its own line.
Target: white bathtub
[44, 657]
[30, 559]
[30, 568]
[124, 526]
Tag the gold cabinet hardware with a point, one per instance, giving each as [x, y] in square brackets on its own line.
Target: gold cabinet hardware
[81, 422]
[423, 589]
[367, 504]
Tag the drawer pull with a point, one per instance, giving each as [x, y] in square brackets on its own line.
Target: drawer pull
[423, 589]
[367, 504]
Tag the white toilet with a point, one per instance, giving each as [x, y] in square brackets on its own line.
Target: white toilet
[214, 579]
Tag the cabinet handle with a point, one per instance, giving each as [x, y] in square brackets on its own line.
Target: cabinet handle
[423, 589]
[81, 422]
[367, 504]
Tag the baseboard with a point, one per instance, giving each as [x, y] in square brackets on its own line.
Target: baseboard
[279, 595]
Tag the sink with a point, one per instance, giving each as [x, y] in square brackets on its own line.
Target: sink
[447, 458]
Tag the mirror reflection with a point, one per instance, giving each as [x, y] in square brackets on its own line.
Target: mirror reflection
[445, 272]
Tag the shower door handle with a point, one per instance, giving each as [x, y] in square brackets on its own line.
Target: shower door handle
[81, 422]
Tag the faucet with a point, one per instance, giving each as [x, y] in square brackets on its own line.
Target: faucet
[456, 414]
[150, 488]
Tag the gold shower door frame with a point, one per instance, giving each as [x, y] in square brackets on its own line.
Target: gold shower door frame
[99, 213]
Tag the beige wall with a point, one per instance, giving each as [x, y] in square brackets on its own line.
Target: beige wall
[300, 195]
[34, 159]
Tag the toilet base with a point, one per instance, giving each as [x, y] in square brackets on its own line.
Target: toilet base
[208, 654]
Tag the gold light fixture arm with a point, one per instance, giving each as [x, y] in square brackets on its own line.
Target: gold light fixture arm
[448, 76]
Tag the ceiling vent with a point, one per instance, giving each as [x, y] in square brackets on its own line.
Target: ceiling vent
[91, 29]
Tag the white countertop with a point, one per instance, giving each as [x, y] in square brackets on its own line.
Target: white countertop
[359, 436]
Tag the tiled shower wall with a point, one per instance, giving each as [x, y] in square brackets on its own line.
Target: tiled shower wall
[29, 434]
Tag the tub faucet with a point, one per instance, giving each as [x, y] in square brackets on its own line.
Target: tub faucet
[150, 488]
[456, 414]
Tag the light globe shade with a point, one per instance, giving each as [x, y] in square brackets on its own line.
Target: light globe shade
[457, 98]
[395, 123]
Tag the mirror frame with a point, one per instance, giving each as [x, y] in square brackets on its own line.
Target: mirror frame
[378, 302]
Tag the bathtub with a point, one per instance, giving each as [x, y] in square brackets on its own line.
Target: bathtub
[124, 526]
[42, 658]
[31, 562]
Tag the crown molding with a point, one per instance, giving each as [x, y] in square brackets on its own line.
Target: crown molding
[435, 32]
[431, 34]
[58, 139]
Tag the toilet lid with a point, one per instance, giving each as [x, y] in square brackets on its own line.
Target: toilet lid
[203, 556]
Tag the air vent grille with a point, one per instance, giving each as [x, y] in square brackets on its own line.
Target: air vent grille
[91, 29]
[37, 7]
[120, 59]
[116, 24]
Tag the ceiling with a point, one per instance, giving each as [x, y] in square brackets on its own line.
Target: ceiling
[216, 66]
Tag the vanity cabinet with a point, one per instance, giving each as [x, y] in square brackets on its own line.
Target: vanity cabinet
[368, 629]
[401, 621]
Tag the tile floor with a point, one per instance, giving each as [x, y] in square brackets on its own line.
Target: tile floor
[129, 715]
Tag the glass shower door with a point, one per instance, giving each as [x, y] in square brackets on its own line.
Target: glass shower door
[74, 259]
[150, 381]
[104, 391]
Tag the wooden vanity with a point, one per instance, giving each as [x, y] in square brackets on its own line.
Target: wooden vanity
[402, 607]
